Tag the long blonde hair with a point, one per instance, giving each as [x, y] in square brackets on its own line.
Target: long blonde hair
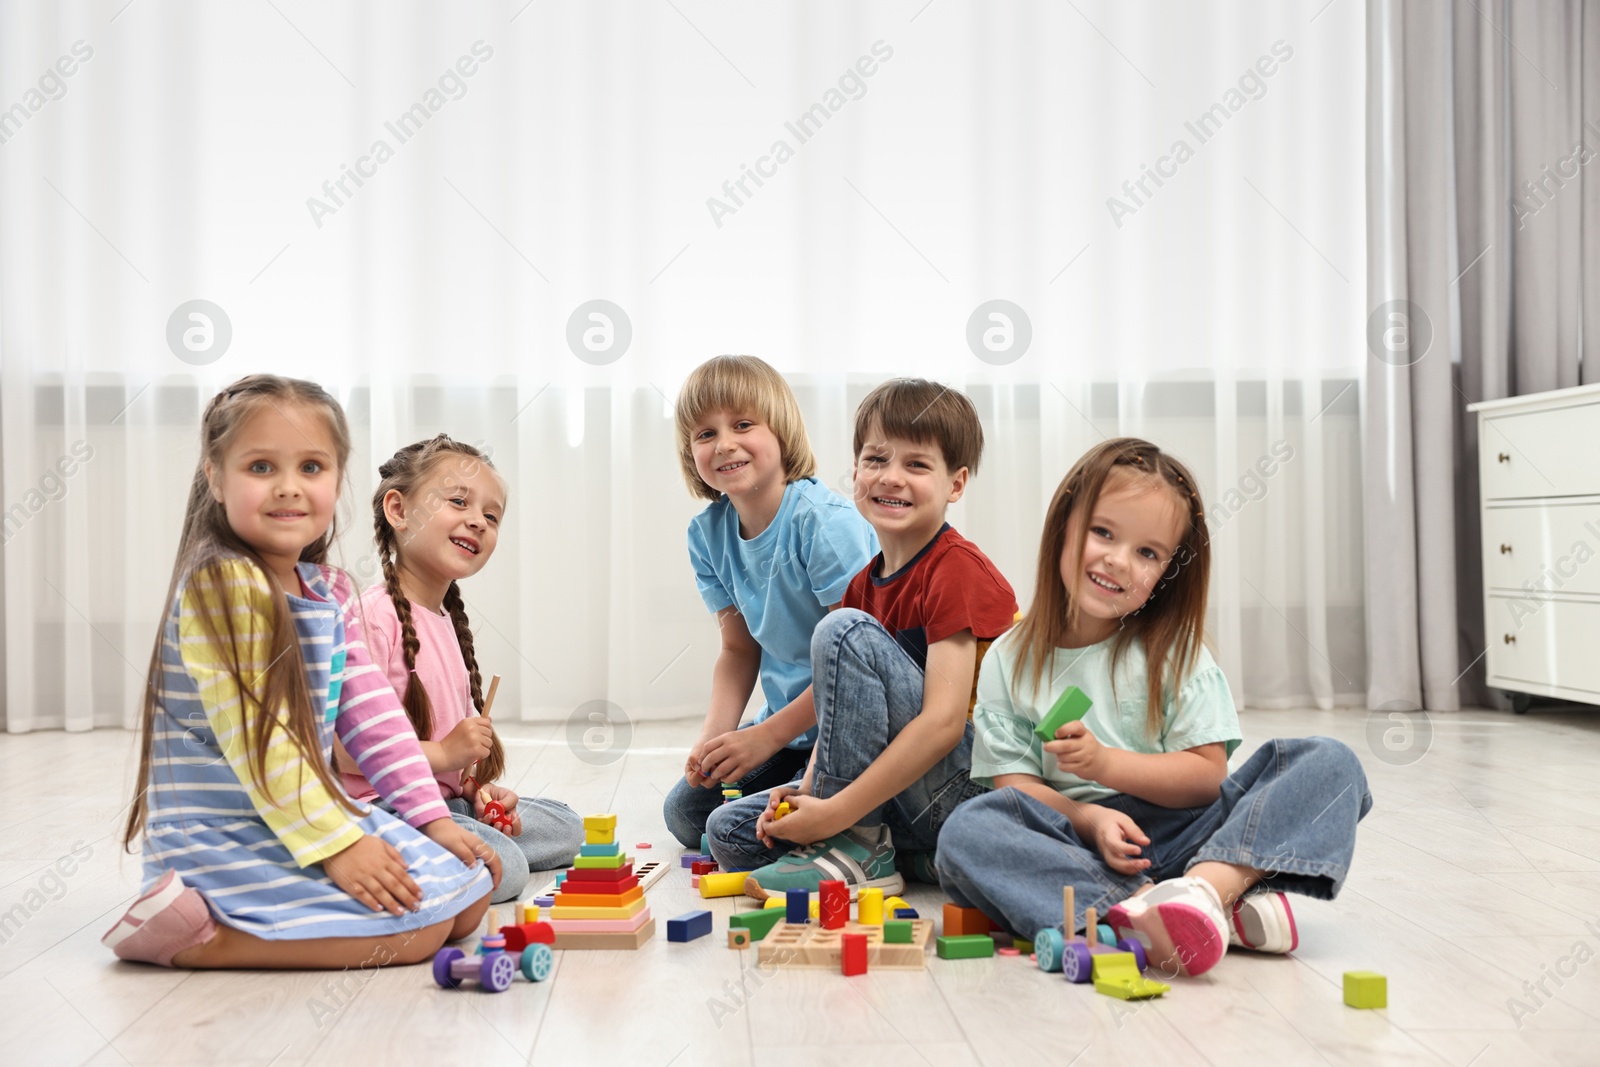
[404, 472]
[1172, 621]
[205, 546]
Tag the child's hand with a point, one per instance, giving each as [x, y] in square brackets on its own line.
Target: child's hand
[1114, 835]
[777, 795]
[1078, 751]
[372, 871]
[468, 743]
[810, 819]
[507, 800]
[467, 847]
[691, 766]
[729, 757]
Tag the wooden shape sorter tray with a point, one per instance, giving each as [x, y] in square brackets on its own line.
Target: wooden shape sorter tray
[810, 946]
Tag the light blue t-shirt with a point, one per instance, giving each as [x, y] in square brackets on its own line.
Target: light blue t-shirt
[783, 580]
[1201, 713]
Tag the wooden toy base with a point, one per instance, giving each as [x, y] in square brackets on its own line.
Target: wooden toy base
[810, 946]
[624, 941]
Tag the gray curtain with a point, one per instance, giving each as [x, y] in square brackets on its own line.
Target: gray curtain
[1483, 226]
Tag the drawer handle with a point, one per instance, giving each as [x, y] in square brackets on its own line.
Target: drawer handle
[1510, 639]
[1505, 550]
[1505, 458]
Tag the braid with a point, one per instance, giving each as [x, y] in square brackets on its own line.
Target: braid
[492, 766]
[419, 709]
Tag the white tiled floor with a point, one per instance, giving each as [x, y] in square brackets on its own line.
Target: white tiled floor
[1477, 870]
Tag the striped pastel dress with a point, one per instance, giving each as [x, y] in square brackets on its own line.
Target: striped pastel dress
[259, 864]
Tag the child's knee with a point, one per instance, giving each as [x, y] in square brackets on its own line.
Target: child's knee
[833, 626]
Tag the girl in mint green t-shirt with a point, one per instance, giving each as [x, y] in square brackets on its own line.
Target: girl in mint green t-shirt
[1133, 805]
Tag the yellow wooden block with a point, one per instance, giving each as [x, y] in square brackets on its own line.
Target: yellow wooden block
[869, 907]
[530, 913]
[626, 911]
[722, 885]
[607, 823]
[599, 837]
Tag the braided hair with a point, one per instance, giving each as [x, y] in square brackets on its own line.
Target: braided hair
[1170, 623]
[404, 473]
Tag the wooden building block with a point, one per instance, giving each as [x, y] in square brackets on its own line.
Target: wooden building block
[1366, 989]
[964, 922]
[852, 954]
[965, 947]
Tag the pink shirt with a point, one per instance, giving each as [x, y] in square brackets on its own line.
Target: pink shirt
[440, 668]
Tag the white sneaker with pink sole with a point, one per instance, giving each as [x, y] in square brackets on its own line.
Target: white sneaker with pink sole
[1180, 919]
[1263, 922]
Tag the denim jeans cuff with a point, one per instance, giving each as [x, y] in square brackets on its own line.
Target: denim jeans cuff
[1317, 879]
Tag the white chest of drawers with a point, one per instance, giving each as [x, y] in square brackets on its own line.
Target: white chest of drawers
[1539, 495]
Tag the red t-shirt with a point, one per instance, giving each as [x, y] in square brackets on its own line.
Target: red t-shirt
[948, 587]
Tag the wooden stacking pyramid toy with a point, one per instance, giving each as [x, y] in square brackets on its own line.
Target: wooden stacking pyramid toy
[600, 903]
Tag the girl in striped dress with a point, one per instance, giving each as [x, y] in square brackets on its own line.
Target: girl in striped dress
[253, 855]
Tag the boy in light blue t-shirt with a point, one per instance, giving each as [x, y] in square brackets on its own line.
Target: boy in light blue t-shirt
[772, 554]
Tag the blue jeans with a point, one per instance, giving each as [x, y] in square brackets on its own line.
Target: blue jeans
[551, 835]
[867, 689]
[688, 806]
[1291, 809]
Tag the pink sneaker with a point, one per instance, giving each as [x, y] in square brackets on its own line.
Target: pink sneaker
[1180, 920]
[1264, 923]
[162, 923]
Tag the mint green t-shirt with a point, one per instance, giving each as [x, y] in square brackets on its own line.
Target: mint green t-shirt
[1201, 713]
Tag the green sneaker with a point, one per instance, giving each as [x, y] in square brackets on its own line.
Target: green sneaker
[842, 857]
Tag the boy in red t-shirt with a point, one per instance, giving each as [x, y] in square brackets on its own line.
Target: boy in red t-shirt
[894, 669]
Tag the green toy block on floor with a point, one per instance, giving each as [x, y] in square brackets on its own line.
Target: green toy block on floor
[1071, 707]
[1022, 945]
[759, 923]
[897, 931]
[1366, 989]
[1116, 974]
[965, 947]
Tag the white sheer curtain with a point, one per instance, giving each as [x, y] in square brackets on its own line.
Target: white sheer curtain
[1218, 313]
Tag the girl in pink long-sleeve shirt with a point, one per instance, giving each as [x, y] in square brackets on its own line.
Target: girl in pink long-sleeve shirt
[436, 515]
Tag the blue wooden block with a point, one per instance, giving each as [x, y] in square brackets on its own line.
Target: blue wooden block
[705, 845]
[689, 925]
[612, 849]
[906, 913]
[799, 905]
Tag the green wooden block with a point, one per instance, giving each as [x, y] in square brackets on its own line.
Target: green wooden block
[967, 947]
[759, 923]
[612, 849]
[897, 931]
[1022, 945]
[604, 863]
[1366, 989]
[1071, 707]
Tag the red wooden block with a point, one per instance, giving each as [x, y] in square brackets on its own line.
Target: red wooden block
[521, 936]
[702, 867]
[600, 874]
[833, 905]
[960, 922]
[853, 954]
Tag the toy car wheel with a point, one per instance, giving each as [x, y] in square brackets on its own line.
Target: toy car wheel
[1047, 947]
[497, 972]
[1129, 944]
[537, 962]
[441, 967]
[1077, 962]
